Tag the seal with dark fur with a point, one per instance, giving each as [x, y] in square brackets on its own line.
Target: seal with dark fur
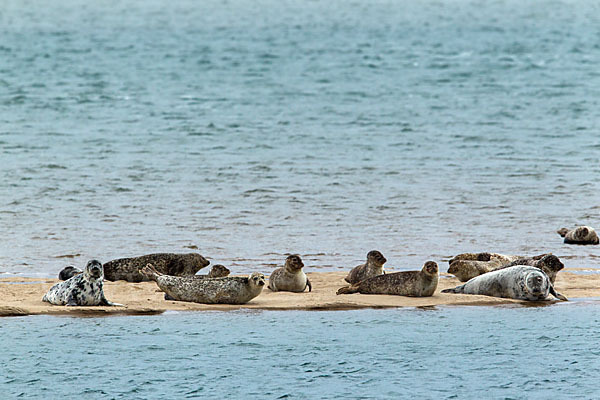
[290, 277]
[373, 267]
[217, 271]
[128, 269]
[85, 289]
[579, 235]
[548, 263]
[68, 272]
[228, 290]
[405, 283]
[519, 282]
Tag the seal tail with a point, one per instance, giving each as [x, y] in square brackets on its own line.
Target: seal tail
[347, 289]
[150, 272]
[457, 289]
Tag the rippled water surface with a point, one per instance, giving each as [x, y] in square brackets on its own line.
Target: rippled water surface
[251, 129]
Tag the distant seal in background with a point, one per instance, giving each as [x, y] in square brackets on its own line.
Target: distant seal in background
[548, 263]
[579, 235]
[405, 283]
[228, 290]
[373, 267]
[468, 269]
[68, 272]
[217, 271]
[518, 282]
[128, 269]
[290, 277]
[85, 289]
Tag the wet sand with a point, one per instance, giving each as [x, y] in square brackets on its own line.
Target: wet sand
[22, 296]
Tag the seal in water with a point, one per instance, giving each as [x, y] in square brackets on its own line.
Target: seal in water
[519, 282]
[373, 267]
[579, 235]
[217, 271]
[290, 277]
[85, 289]
[548, 263]
[228, 290]
[405, 283]
[128, 269]
[68, 272]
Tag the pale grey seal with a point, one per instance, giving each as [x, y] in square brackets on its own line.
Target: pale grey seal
[290, 277]
[68, 272]
[167, 263]
[85, 289]
[579, 235]
[373, 267]
[228, 290]
[548, 263]
[405, 283]
[518, 282]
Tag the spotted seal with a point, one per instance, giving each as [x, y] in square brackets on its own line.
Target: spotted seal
[217, 271]
[85, 289]
[519, 282]
[290, 277]
[68, 272]
[228, 290]
[373, 267]
[502, 258]
[579, 235]
[548, 263]
[467, 269]
[405, 283]
[128, 269]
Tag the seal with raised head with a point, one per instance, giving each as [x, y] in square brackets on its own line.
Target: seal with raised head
[128, 269]
[579, 235]
[68, 272]
[290, 277]
[85, 289]
[228, 290]
[548, 263]
[405, 283]
[519, 282]
[373, 267]
[217, 271]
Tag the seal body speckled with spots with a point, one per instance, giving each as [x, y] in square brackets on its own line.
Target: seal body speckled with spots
[217, 271]
[468, 269]
[228, 290]
[485, 256]
[548, 263]
[128, 269]
[68, 272]
[519, 282]
[405, 283]
[373, 267]
[290, 277]
[581, 235]
[85, 289]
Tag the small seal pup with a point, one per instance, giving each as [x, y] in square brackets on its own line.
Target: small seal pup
[85, 289]
[68, 272]
[290, 277]
[548, 263]
[373, 267]
[579, 235]
[217, 271]
[405, 283]
[228, 290]
[519, 282]
[128, 269]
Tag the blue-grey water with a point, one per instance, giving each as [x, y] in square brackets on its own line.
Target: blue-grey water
[449, 353]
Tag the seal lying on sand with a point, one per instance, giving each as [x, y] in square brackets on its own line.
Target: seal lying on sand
[373, 267]
[548, 263]
[217, 271]
[405, 283]
[228, 290]
[502, 258]
[518, 282]
[68, 272]
[467, 269]
[85, 289]
[579, 235]
[127, 269]
[290, 277]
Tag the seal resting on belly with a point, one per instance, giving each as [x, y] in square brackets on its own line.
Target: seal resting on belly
[128, 269]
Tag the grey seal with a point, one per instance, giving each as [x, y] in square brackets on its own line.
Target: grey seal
[290, 277]
[467, 269]
[405, 283]
[548, 263]
[485, 256]
[85, 289]
[519, 282]
[68, 272]
[217, 271]
[128, 269]
[228, 290]
[373, 267]
[579, 235]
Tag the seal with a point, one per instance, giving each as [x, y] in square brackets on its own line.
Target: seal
[548, 263]
[373, 267]
[467, 269]
[85, 289]
[228, 290]
[290, 277]
[579, 235]
[128, 269]
[217, 271]
[68, 272]
[405, 283]
[519, 282]
[502, 258]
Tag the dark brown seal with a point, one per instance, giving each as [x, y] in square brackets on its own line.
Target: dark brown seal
[373, 267]
[579, 235]
[405, 283]
[290, 277]
[127, 269]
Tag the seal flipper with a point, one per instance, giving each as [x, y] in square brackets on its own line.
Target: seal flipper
[559, 296]
[167, 297]
[71, 301]
[347, 289]
[105, 302]
[458, 289]
[309, 285]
